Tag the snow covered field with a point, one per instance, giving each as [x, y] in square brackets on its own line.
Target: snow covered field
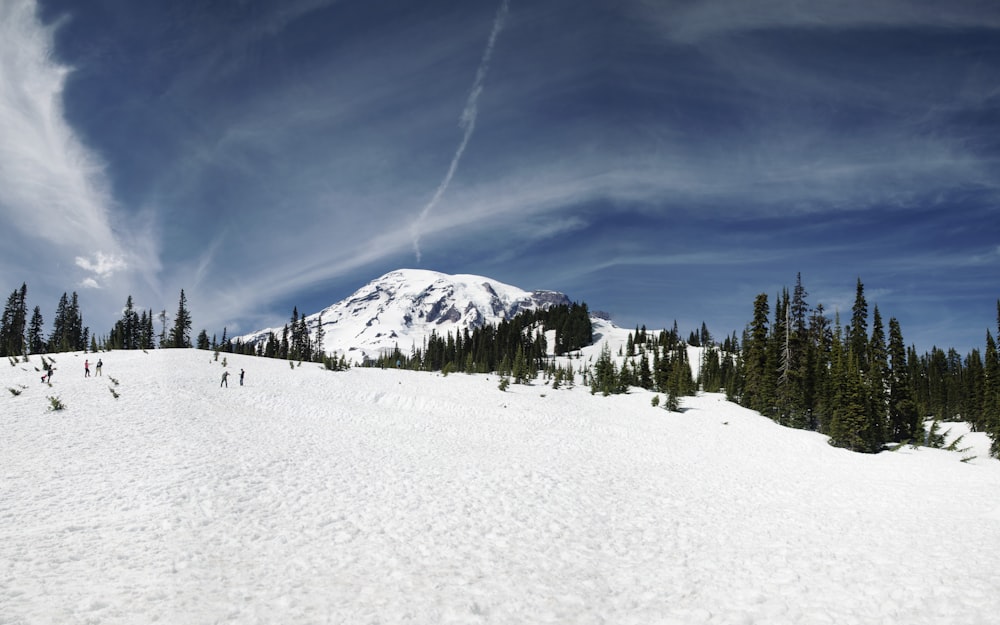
[372, 496]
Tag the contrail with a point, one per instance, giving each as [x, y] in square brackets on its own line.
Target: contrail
[467, 122]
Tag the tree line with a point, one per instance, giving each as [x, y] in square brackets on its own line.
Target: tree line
[515, 346]
[857, 384]
[21, 335]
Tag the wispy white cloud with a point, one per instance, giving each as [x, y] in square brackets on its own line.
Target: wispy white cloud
[467, 122]
[103, 265]
[690, 22]
[53, 189]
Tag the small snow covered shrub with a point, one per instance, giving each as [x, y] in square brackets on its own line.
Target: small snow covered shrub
[55, 404]
[504, 383]
[655, 401]
[13, 391]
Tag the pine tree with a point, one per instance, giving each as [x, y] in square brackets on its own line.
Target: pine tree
[645, 374]
[605, 377]
[758, 387]
[878, 380]
[991, 393]
[68, 332]
[305, 347]
[857, 335]
[295, 336]
[519, 370]
[127, 331]
[320, 336]
[850, 425]
[786, 390]
[680, 383]
[180, 335]
[903, 419]
[36, 341]
[147, 332]
[13, 324]
[58, 337]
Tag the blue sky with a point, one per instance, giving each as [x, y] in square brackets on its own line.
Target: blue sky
[658, 160]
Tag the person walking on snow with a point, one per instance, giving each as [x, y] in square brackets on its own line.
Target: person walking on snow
[86, 368]
[98, 367]
[241, 377]
[225, 380]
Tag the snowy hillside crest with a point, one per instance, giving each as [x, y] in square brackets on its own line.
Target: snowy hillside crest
[403, 307]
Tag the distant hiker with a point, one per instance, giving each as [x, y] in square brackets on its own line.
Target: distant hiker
[86, 368]
[225, 380]
[99, 365]
[241, 377]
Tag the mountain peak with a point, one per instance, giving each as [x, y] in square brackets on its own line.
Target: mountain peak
[403, 307]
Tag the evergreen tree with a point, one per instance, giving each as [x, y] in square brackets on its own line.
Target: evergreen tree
[127, 331]
[604, 379]
[706, 337]
[57, 338]
[147, 333]
[520, 370]
[305, 347]
[903, 419]
[180, 335]
[816, 382]
[680, 383]
[991, 393]
[13, 324]
[857, 335]
[36, 340]
[68, 333]
[320, 336]
[758, 387]
[849, 426]
[974, 387]
[645, 374]
[878, 380]
[799, 367]
[295, 341]
[202, 341]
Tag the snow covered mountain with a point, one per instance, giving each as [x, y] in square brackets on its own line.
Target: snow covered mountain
[403, 307]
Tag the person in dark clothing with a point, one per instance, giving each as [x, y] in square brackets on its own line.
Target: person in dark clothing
[225, 380]
[98, 367]
[241, 376]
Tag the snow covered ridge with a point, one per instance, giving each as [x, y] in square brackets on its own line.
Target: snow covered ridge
[403, 307]
[391, 496]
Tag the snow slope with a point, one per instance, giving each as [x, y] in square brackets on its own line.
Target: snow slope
[372, 496]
